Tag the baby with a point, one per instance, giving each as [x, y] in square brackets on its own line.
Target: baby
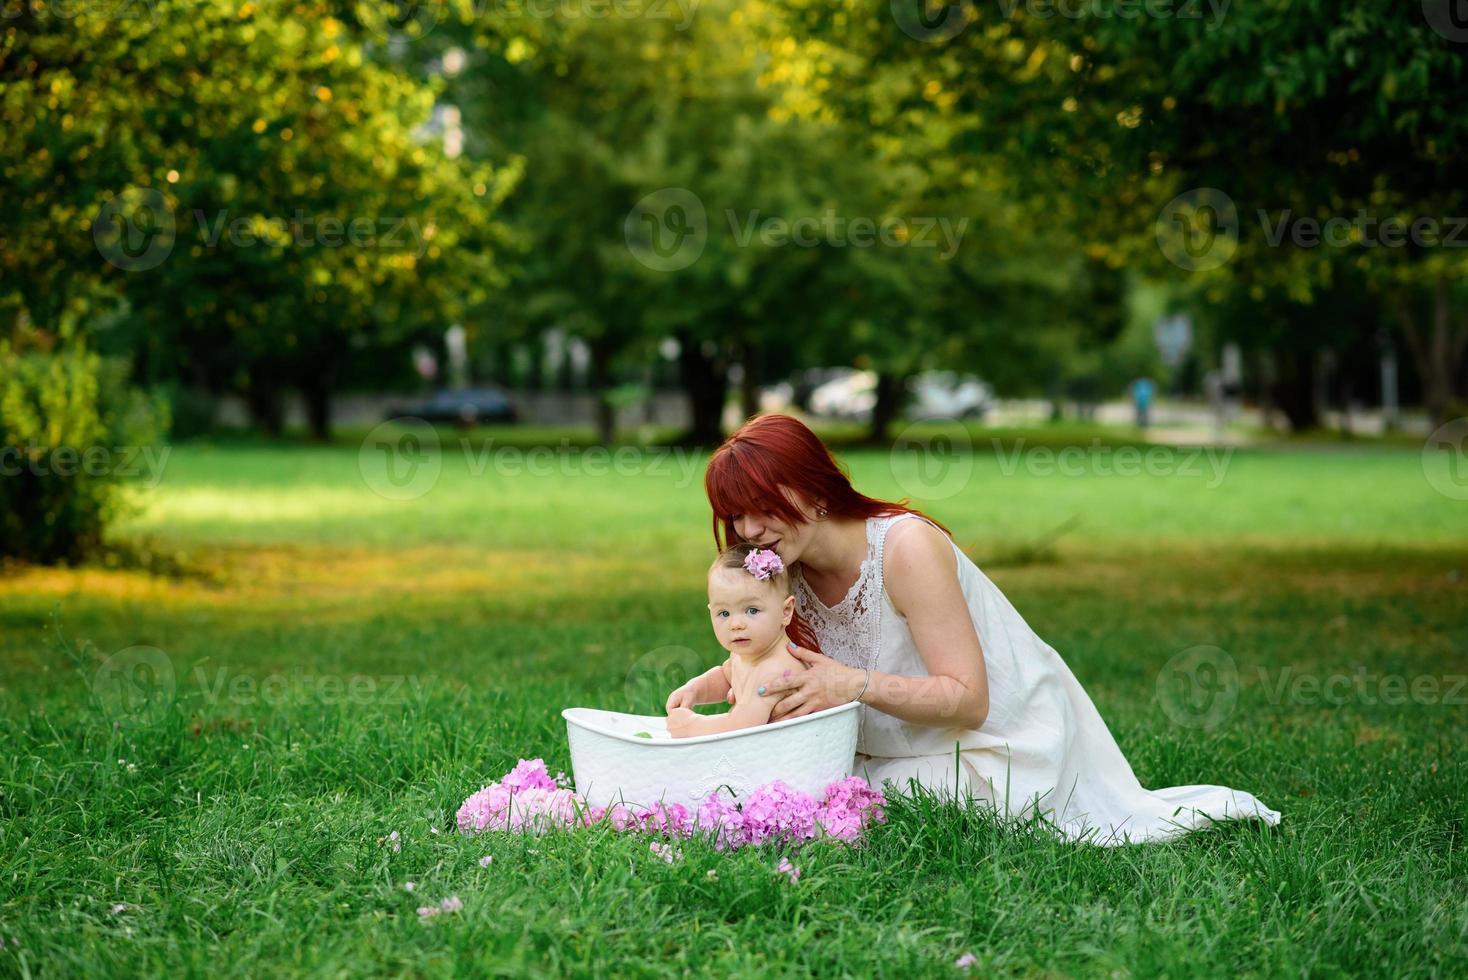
[750, 603]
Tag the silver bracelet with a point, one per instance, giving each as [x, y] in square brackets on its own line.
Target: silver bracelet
[865, 683]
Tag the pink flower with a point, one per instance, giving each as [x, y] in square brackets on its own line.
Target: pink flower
[965, 961]
[664, 851]
[529, 801]
[787, 868]
[450, 904]
[486, 861]
[763, 563]
[409, 885]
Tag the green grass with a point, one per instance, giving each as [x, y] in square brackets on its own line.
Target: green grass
[244, 839]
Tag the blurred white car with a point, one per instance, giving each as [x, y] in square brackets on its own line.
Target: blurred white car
[850, 396]
[948, 394]
[931, 395]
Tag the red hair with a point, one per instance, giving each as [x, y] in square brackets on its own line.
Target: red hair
[769, 453]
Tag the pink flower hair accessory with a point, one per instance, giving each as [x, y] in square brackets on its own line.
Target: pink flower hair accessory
[763, 563]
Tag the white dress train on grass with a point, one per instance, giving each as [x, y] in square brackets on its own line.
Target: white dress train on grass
[1044, 749]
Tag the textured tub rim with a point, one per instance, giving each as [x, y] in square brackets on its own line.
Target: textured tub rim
[697, 739]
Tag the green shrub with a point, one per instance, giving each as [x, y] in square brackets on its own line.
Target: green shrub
[73, 433]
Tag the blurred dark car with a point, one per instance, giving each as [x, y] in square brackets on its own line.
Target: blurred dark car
[462, 406]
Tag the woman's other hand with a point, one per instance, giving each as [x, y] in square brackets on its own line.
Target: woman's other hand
[825, 683]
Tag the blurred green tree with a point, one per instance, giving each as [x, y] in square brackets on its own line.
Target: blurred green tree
[266, 197]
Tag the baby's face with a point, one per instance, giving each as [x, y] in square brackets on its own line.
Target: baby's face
[748, 615]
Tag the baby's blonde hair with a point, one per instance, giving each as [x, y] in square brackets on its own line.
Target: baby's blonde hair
[733, 557]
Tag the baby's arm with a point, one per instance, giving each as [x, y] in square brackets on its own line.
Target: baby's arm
[684, 722]
[710, 687]
[749, 711]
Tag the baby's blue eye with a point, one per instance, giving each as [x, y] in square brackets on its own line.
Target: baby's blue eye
[752, 610]
[722, 612]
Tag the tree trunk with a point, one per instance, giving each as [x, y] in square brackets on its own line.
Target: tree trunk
[318, 411]
[751, 361]
[1437, 356]
[316, 384]
[267, 409]
[1294, 388]
[890, 388]
[601, 381]
[705, 378]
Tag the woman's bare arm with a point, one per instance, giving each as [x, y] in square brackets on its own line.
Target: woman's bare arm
[921, 575]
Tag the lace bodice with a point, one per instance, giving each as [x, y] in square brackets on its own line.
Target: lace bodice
[851, 630]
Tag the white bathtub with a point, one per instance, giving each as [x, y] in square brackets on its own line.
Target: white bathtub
[610, 763]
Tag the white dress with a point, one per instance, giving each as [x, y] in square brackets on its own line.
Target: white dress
[1044, 750]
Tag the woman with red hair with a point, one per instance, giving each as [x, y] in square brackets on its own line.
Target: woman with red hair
[960, 694]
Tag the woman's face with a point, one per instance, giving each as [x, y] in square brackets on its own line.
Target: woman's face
[768, 531]
[748, 615]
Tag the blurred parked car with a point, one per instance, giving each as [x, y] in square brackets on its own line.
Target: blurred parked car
[948, 394]
[805, 382]
[462, 406]
[931, 395]
[850, 396]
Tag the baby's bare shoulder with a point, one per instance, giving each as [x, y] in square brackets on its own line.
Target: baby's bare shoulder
[780, 665]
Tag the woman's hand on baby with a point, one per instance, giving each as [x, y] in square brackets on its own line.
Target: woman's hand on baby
[825, 683]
